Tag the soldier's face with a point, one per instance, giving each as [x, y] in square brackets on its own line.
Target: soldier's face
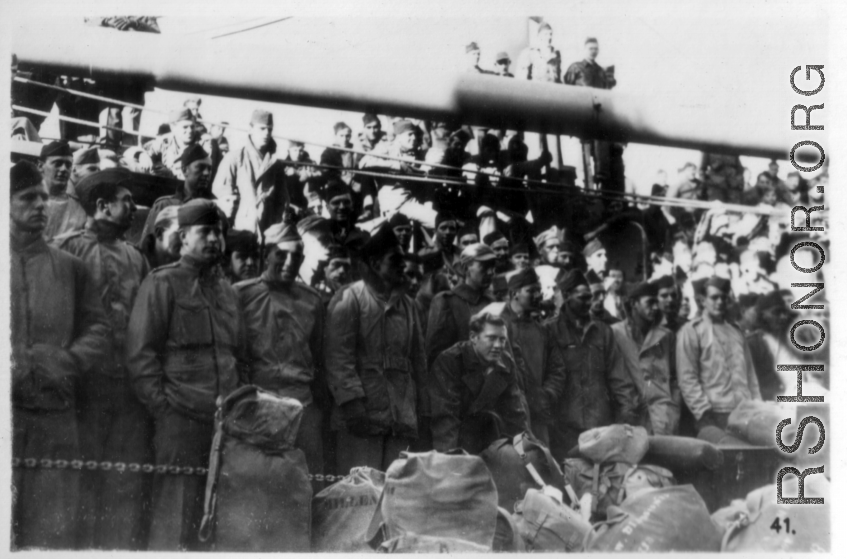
[592, 50]
[479, 275]
[406, 140]
[338, 271]
[714, 303]
[340, 208]
[446, 232]
[598, 297]
[244, 265]
[501, 249]
[183, 131]
[597, 261]
[520, 260]
[551, 250]
[294, 152]
[343, 136]
[168, 241]
[545, 37]
[489, 343]
[28, 209]
[668, 301]
[502, 66]
[198, 176]
[414, 275]
[119, 211]
[467, 240]
[81, 171]
[472, 58]
[647, 308]
[284, 265]
[260, 134]
[56, 171]
[373, 131]
[529, 297]
[390, 268]
[202, 242]
[403, 233]
[579, 300]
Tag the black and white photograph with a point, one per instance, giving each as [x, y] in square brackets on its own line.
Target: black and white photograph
[433, 277]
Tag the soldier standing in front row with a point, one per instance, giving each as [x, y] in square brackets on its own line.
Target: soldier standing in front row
[58, 334]
[114, 426]
[185, 348]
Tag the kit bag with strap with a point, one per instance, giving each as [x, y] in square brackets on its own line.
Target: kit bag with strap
[414, 543]
[608, 483]
[546, 524]
[755, 421]
[507, 459]
[683, 453]
[507, 538]
[443, 495]
[258, 493]
[342, 512]
[759, 524]
[614, 443]
[654, 520]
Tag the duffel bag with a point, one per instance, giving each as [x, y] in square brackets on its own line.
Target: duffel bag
[342, 512]
[719, 437]
[614, 443]
[548, 525]
[415, 543]
[683, 453]
[667, 519]
[258, 493]
[755, 421]
[506, 535]
[507, 459]
[759, 524]
[444, 495]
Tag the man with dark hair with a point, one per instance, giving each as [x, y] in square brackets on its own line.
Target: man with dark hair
[86, 162]
[443, 242]
[667, 294]
[250, 184]
[166, 150]
[241, 257]
[297, 176]
[501, 65]
[451, 310]
[556, 257]
[647, 350]
[500, 245]
[55, 164]
[598, 299]
[598, 391]
[374, 359]
[475, 393]
[468, 235]
[534, 61]
[371, 135]
[768, 343]
[748, 313]
[545, 368]
[58, 336]
[338, 198]
[114, 426]
[337, 272]
[162, 246]
[186, 348]
[284, 323]
[402, 227]
[587, 72]
[595, 257]
[472, 54]
[713, 361]
[339, 158]
[405, 147]
[197, 172]
[519, 257]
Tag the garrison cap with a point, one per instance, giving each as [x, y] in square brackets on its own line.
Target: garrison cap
[502, 55]
[552, 233]
[772, 300]
[335, 187]
[472, 46]
[100, 184]
[699, 286]
[168, 213]
[444, 216]
[590, 40]
[592, 278]
[403, 126]
[181, 114]
[368, 118]
[192, 153]
[336, 251]
[642, 289]
[245, 242]
[593, 246]
[521, 248]
[544, 26]
[525, 277]
[571, 280]
[87, 156]
[399, 220]
[381, 242]
[23, 175]
[262, 117]
[664, 282]
[56, 148]
[285, 236]
[468, 228]
[493, 237]
[477, 252]
[719, 282]
[198, 212]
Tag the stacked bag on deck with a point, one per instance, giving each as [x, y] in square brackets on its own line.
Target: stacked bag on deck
[258, 493]
[342, 512]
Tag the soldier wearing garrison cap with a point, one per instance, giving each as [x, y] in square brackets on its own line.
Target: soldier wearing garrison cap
[185, 348]
[598, 390]
[196, 165]
[241, 257]
[713, 360]
[647, 349]
[166, 150]
[113, 423]
[598, 299]
[534, 60]
[56, 163]
[668, 295]
[59, 335]
[404, 147]
[375, 363]
[286, 360]
[544, 368]
[371, 135]
[251, 181]
[556, 256]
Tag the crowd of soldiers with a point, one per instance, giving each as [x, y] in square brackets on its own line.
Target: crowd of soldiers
[407, 335]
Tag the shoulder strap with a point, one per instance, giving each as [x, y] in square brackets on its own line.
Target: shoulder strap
[210, 504]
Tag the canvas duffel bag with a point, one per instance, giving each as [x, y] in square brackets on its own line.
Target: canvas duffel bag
[614, 443]
[755, 421]
[342, 512]
[683, 453]
[548, 525]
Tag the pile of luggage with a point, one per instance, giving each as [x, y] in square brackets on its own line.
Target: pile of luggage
[617, 491]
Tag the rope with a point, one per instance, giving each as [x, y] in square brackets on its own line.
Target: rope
[77, 121]
[652, 200]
